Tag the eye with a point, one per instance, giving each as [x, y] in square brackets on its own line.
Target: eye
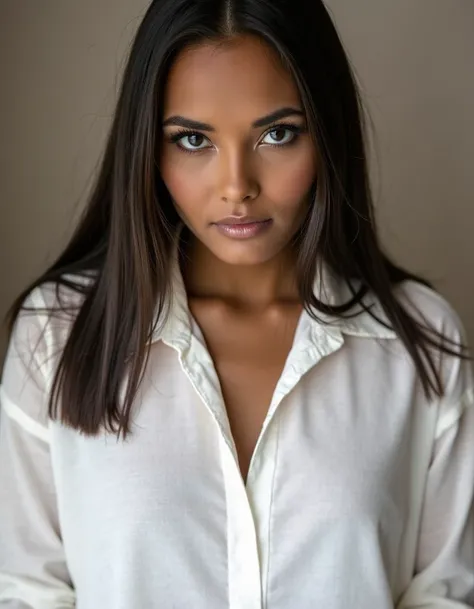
[190, 141]
[281, 135]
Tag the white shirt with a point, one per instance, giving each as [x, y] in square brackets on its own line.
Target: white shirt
[359, 493]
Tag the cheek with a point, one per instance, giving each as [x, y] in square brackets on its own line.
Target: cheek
[289, 185]
[185, 183]
[285, 181]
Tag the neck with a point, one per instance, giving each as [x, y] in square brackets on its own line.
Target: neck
[251, 286]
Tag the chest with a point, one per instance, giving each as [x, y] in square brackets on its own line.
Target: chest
[337, 464]
[249, 353]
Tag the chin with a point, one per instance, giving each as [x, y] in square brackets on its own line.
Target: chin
[245, 254]
[243, 260]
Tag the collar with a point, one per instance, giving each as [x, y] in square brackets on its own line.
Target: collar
[177, 329]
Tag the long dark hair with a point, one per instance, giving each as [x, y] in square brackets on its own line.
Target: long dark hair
[126, 234]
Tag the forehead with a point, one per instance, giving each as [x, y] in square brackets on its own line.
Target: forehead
[245, 76]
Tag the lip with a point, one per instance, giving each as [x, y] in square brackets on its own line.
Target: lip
[243, 228]
[235, 220]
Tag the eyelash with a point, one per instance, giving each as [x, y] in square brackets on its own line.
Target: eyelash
[295, 129]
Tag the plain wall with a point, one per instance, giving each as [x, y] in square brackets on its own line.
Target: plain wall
[60, 62]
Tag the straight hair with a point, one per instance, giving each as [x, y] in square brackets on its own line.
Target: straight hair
[123, 242]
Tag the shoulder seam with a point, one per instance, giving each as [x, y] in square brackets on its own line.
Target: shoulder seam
[40, 303]
[24, 421]
[451, 417]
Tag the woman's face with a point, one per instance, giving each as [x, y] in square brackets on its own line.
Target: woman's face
[236, 156]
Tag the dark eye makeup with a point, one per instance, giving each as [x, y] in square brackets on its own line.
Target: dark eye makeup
[177, 136]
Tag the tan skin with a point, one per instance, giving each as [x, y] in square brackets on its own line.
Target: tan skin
[242, 292]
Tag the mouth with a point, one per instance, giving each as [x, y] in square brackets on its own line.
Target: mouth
[243, 228]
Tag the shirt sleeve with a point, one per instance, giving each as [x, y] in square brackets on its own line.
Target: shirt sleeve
[444, 570]
[33, 570]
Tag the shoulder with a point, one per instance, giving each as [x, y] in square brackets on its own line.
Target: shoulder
[35, 346]
[431, 309]
[434, 311]
[68, 294]
[46, 317]
[56, 298]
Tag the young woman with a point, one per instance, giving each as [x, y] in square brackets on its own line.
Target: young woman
[223, 394]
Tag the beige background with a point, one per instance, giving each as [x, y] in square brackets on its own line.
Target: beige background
[59, 67]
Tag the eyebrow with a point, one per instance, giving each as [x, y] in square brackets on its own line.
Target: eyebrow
[187, 123]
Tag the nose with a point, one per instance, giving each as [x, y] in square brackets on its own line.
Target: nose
[238, 182]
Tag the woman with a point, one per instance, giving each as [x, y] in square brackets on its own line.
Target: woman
[223, 393]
